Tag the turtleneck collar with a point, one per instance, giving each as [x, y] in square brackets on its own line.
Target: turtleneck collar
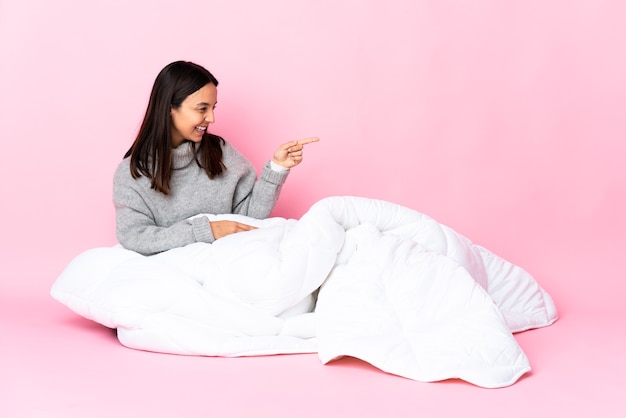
[183, 155]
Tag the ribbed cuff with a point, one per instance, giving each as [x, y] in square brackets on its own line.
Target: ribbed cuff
[202, 229]
[273, 176]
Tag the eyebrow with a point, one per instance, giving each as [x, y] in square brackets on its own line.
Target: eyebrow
[204, 104]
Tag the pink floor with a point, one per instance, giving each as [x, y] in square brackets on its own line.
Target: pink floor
[54, 363]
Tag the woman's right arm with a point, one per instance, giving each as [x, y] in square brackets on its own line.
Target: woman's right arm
[137, 231]
[136, 226]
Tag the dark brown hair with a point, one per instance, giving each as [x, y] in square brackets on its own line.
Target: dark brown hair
[150, 154]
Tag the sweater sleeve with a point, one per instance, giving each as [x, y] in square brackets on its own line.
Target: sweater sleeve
[253, 197]
[257, 198]
[137, 230]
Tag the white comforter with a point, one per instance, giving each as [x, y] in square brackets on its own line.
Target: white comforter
[353, 277]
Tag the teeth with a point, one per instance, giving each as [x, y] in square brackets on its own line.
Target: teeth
[201, 128]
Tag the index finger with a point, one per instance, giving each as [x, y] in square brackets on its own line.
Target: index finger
[307, 141]
[245, 227]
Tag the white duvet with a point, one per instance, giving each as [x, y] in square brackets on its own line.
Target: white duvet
[353, 277]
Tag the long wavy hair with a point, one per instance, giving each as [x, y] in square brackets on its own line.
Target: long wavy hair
[150, 154]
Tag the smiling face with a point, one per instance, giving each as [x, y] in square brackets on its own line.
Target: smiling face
[192, 118]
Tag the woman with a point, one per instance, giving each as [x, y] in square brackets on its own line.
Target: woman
[176, 169]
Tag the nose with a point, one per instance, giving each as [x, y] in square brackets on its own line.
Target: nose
[210, 117]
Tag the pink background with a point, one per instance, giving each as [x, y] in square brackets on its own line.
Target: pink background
[501, 119]
[504, 120]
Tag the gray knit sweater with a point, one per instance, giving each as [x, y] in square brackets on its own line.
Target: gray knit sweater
[149, 222]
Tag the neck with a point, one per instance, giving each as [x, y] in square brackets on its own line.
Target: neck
[182, 155]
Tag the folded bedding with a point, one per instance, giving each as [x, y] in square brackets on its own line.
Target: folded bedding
[352, 277]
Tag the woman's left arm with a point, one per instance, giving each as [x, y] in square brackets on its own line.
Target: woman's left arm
[259, 202]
